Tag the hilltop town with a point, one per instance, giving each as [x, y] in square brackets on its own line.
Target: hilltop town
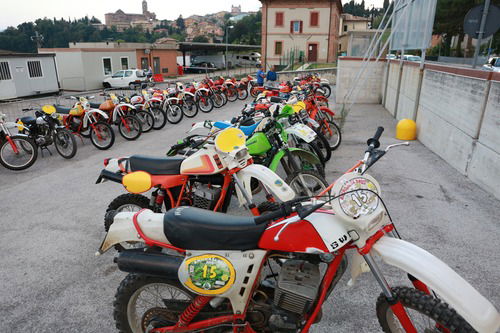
[210, 26]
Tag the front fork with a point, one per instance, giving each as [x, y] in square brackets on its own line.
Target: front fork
[396, 306]
[250, 203]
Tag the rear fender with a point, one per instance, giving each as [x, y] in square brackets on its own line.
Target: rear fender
[268, 178]
[207, 124]
[301, 153]
[327, 110]
[123, 229]
[438, 276]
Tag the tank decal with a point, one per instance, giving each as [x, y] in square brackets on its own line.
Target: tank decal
[206, 167]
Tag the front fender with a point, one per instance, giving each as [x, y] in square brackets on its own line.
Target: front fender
[90, 113]
[10, 124]
[187, 93]
[450, 286]
[268, 178]
[301, 153]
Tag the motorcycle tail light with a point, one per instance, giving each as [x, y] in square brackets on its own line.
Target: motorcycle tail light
[106, 162]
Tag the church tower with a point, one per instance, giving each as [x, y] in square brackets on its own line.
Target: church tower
[144, 7]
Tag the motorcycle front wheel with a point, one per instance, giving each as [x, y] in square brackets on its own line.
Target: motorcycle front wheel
[428, 314]
[102, 135]
[174, 113]
[147, 120]
[242, 93]
[130, 127]
[142, 299]
[189, 107]
[232, 94]
[219, 99]
[306, 183]
[22, 156]
[160, 117]
[205, 104]
[65, 143]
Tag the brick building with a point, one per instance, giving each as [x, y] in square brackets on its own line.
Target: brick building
[309, 28]
[121, 20]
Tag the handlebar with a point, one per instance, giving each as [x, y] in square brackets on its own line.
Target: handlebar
[374, 141]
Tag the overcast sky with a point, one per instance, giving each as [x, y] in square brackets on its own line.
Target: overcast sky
[13, 13]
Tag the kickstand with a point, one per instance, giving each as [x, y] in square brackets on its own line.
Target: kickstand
[42, 148]
[79, 135]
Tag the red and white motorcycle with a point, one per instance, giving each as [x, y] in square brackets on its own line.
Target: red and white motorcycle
[206, 271]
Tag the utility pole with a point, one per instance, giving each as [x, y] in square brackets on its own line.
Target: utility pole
[38, 39]
[481, 31]
[225, 56]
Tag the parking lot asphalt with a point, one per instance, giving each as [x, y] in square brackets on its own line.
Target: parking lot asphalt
[51, 224]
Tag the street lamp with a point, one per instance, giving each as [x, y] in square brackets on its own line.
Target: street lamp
[227, 28]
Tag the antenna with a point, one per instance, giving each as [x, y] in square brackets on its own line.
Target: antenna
[38, 39]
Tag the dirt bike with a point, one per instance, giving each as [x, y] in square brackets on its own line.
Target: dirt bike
[82, 120]
[204, 179]
[208, 271]
[152, 105]
[227, 87]
[44, 129]
[267, 143]
[202, 97]
[123, 115]
[17, 152]
[187, 101]
[146, 117]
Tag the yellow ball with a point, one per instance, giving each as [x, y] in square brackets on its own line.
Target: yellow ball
[406, 130]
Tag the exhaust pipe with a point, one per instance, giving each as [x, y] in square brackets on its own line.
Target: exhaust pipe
[147, 263]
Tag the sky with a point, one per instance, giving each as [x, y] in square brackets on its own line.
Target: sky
[12, 13]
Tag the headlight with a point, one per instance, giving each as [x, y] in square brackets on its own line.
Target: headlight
[241, 154]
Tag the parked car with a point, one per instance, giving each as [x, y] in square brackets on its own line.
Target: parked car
[204, 64]
[391, 56]
[130, 78]
[493, 64]
[410, 57]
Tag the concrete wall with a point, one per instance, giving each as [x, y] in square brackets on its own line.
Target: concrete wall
[371, 83]
[457, 111]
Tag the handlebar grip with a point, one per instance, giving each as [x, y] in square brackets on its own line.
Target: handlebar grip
[270, 216]
[179, 146]
[374, 141]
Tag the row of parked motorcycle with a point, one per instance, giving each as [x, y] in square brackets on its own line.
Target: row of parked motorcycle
[133, 115]
[194, 268]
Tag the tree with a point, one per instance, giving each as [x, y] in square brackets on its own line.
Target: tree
[200, 39]
[180, 23]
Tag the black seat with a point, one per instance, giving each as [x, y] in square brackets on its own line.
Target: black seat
[94, 105]
[28, 120]
[156, 165]
[199, 229]
[271, 88]
[62, 109]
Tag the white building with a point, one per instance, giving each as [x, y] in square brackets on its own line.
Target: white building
[27, 74]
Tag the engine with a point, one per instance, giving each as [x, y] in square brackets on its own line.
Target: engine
[205, 197]
[294, 294]
[75, 124]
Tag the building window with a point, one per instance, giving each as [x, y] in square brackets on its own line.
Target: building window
[314, 19]
[144, 63]
[35, 68]
[278, 48]
[345, 27]
[106, 65]
[296, 27]
[124, 62]
[5, 71]
[279, 19]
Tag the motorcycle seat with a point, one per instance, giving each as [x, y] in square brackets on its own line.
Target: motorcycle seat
[247, 130]
[199, 229]
[95, 105]
[156, 165]
[62, 109]
[28, 120]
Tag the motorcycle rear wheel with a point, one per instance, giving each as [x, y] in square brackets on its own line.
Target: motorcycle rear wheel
[134, 290]
[419, 305]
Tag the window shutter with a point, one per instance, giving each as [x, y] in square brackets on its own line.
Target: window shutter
[301, 25]
[314, 19]
[291, 27]
[279, 19]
